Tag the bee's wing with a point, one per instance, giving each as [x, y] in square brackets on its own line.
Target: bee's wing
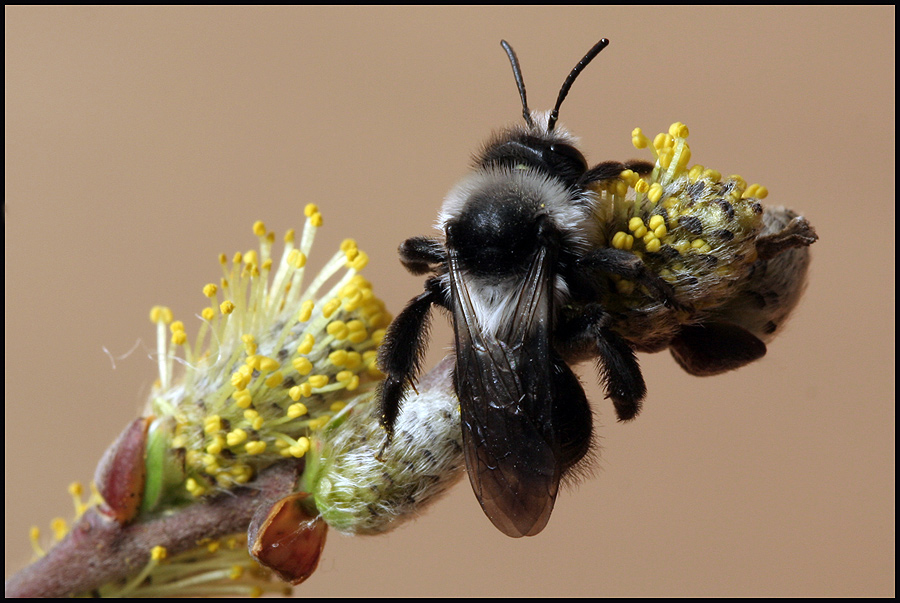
[505, 387]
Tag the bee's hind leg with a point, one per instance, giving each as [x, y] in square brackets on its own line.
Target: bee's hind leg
[617, 365]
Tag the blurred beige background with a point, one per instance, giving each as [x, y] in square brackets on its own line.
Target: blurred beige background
[140, 143]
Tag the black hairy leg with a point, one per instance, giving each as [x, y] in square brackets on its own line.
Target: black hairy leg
[611, 169]
[421, 255]
[403, 350]
[627, 265]
[617, 364]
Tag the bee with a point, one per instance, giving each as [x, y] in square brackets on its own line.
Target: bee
[535, 276]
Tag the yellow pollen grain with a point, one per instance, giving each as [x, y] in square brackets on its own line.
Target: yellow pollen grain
[210, 290]
[267, 364]
[360, 262]
[275, 379]
[678, 130]
[655, 193]
[655, 222]
[226, 307]
[158, 553]
[618, 240]
[240, 380]
[160, 314]
[216, 445]
[259, 228]
[296, 258]
[638, 139]
[353, 383]
[306, 344]
[297, 410]
[242, 398]
[251, 258]
[357, 337]
[304, 390]
[635, 223]
[713, 175]
[316, 220]
[310, 209]
[302, 365]
[301, 447]
[236, 437]
[306, 309]
[330, 307]
[319, 422]
[654, 245]
[212, 424]
[208, 314]
[255, 447]
[179, 338]
[344, 376]
[60, 528]
[318, 380]
[354, 360]
[338, 329]
[338, 357]
[641, 186]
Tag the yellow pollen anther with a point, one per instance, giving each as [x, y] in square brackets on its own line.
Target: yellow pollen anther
[275, 379]
[160, 314]
[306, 309]
[226, 307]
[267, 365]
[678, 130]
[306, 344]
[297, 409]
[330, 307]
[255, 447]
[236, 437]
[310, 209]
[638, 139]
[259, 229]
[212, 424]
[158, 553]
[338, 329]
[318, 380]
[338, 357]
[210, 290]
[302, 365]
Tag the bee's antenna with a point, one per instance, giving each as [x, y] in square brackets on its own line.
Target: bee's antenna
[520, 83]
[603, 43]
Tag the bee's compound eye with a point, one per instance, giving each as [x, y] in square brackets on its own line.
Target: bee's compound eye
[565, 153]
[565, 161]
